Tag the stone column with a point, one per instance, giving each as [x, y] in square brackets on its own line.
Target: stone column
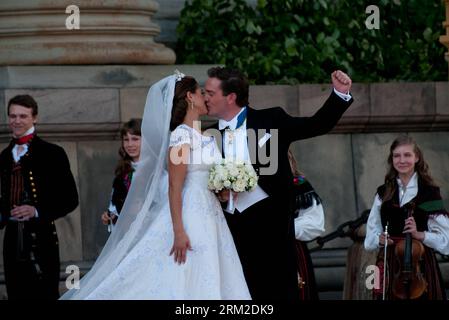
[34, 32]
[444, 39]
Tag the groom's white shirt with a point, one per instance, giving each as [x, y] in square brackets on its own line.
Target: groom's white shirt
[235, 147]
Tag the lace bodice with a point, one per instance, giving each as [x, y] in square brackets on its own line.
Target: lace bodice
[203, 149]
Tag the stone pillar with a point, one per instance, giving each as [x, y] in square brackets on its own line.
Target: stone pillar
[34, 32]
[444, 39]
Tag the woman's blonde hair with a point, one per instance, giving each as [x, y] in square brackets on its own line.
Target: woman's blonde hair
[421, 167]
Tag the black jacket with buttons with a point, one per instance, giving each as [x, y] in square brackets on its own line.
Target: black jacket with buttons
[31, 250]
[47, 177]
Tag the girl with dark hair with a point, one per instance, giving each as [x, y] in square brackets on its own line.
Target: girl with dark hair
[408, 202]
[129, 153]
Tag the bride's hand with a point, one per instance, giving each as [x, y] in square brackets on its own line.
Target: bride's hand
[180, 247]
[223, 195]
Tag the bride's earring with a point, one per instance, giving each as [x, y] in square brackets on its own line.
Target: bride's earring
[191, 105]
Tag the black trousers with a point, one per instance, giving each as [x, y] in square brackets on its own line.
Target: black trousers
[31, 269]
[264, 237]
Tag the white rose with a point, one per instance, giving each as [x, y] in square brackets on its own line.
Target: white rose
[239, 185]
[222, 170]
[218, 185]
[233, 172]
[220, 175]
[252, 183]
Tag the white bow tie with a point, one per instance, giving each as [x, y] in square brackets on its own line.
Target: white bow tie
[222, 124]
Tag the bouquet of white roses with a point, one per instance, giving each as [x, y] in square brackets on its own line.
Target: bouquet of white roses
[236, 176]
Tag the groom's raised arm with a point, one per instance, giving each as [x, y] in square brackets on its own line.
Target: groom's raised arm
[297, 128]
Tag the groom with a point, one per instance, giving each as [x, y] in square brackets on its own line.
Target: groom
[264, 231]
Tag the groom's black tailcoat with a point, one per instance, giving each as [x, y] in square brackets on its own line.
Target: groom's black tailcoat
[49, 186]
[264, 233]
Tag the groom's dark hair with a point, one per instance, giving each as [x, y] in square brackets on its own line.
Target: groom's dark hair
[232, 81]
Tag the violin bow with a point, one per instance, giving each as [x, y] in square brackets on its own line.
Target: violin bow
[385, 260]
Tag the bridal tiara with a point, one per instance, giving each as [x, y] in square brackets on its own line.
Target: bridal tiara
[179, 75]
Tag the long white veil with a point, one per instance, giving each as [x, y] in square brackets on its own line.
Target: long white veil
[148, 191]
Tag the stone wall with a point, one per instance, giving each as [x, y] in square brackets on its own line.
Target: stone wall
[82, 108]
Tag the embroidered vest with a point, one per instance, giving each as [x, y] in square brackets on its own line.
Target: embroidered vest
[17, 194]
[427, 201]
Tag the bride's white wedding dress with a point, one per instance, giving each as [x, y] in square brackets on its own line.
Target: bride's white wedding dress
[212, 269]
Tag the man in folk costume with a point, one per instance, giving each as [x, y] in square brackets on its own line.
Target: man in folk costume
[262, 222]
[37, 187]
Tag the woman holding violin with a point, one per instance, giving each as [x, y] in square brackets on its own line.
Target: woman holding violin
[408, 211]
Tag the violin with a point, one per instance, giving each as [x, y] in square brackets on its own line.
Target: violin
[408, 281]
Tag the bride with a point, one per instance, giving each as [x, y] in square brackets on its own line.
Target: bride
[172, 240]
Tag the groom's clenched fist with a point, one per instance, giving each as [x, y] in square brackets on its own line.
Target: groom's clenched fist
[341, 81]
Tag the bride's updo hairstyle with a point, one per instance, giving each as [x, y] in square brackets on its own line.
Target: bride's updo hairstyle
[180, 104]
